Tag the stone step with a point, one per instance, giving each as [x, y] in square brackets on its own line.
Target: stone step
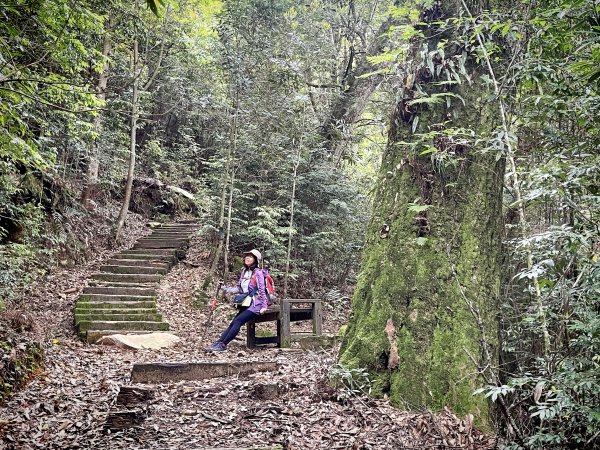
[116, 298]
[111, 312]
[165, 238]
[177, 239]
[122, 325]
[172, 241]
[164, 259]
[119, 290]
[139, 263]
[160, 372]
[181, 231]
[129, 317]
[134, 270]
[187, 231]
[171, 233]
[92, 336]
[127, 277]
[122, 284]
[178, 226]
[154, 251]
[115, 305]
[159, 244]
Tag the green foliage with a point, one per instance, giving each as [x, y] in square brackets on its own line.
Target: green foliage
[154, 5]
[42, 85]
[349, 382]
[553, 394]
[18, 361]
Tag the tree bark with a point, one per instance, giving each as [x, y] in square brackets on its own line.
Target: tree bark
[91, 181]
[424, 311]
[132, 141]
[351, 103]
[231, 176]
[291, 232]
[136, 70]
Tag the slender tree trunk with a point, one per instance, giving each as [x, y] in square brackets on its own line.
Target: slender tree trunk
[132, 141]
[228, 232]
[292, 202]
[221, 231]
[91, 182]
[227, 186]
[136, 70]
[291, 232]
[232, 169]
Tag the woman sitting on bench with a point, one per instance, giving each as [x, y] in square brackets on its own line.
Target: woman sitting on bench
[252, 283]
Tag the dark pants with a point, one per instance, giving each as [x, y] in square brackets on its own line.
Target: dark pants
[234, 327]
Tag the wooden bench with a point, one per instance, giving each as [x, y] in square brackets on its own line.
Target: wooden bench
[285, 313]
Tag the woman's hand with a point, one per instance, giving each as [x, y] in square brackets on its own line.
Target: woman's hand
[262, 311]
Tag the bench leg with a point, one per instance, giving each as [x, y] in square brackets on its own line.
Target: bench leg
[317, 318]
[250, 334]
[286, 338]
[279, 333]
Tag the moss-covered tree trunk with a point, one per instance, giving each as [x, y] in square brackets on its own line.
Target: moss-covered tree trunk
[424, 311]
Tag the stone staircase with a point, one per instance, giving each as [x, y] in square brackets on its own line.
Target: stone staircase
[121, 298]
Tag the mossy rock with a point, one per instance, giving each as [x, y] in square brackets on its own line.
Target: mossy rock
[27, 361]
[318, 342]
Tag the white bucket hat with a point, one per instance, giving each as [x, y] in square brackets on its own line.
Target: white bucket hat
[254, 253]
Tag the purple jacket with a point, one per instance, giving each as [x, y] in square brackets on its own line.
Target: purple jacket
[257, 283]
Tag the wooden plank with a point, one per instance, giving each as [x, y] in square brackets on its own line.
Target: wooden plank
[297, 314]
[266, 317]
[261, 340]
[166, 372]
[301, 300]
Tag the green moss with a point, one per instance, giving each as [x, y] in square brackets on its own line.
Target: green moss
[414, 282]
[28, 360]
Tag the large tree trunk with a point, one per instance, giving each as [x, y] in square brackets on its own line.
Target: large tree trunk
[424, 311]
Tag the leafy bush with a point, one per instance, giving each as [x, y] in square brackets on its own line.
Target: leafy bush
[349, 382]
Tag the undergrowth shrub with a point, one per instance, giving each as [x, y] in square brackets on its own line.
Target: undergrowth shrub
[20, 357]
[349, 382]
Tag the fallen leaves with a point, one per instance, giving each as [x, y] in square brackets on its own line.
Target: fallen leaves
[67, 406]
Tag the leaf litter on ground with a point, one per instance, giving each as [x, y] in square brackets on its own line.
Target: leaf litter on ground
[65, 407]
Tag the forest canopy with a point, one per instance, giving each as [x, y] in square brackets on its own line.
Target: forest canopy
[437, 162]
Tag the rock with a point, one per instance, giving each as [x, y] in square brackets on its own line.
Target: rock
[318, 342]
[130, 395]
[266, 391]
[140, 341]
[120, 420]
[160, 372]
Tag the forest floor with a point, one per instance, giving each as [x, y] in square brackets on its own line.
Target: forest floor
[66, 405]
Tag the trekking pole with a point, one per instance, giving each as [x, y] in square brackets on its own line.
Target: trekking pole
[212, 306]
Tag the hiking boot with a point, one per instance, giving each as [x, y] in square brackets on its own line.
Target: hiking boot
[216, 347]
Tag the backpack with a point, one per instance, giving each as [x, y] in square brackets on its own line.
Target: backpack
[269, 285]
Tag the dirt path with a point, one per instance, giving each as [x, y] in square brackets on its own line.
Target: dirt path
[66, 406]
